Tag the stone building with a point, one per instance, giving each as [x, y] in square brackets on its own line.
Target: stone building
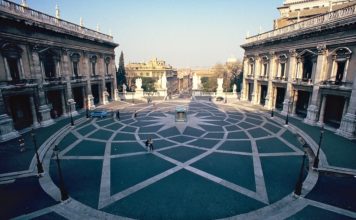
[49, 67]
[157, 69]
[307, 69]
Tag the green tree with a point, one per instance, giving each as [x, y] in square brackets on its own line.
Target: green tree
[121, 73]
[209, 84]
[148, 84]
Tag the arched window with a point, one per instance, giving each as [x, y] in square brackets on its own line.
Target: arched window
[341, 57]
[75, 57]
[93, 60]
[12, 59]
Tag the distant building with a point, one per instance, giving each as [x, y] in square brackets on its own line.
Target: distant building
[293, 11]
[307, 68]
[49, 67]
[156, 69]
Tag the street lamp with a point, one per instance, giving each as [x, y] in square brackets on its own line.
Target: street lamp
[316, 160]
[299, 185]
[70, 112]
[64, 194]
[39, 164]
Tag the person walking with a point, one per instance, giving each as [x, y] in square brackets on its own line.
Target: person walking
[118, 115]
[150, 144]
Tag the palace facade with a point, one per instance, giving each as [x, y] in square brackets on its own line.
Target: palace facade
[307, 68]
[50, 67]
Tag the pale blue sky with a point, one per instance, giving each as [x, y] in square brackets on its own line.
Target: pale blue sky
[185, 33]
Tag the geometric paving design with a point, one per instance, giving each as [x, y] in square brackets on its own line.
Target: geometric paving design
[222, 162]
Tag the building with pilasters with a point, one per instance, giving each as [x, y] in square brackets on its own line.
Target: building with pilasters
[307, 69]
[50, 67]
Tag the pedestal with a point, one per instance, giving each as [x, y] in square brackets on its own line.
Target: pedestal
[219, 92]
[138, 93]
[311, 115]
[72, 109]
[286, 107]
[46, 119]
[7, 131]
[348, 126]
[105, 97]
[90, 103]
[116, 95]
[162, 92]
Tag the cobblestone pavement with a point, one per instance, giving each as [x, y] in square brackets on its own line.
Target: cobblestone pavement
[226, 161]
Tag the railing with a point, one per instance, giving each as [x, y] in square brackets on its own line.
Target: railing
[280, 78]
[53, 80]
[308, 23]
[303, 81]
[109, 76]
[335, 83]
[96, 77]
[263, 77]
[19, 82]
[26, 12]
[77, 78]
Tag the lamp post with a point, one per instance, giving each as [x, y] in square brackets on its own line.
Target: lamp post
[70, 112]
[64, 194]
[299, 185]
[39, 164]
[316, 160]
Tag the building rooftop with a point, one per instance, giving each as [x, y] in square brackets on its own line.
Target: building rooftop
[32, 16]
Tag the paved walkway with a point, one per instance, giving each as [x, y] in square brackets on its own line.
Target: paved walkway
[227, 161]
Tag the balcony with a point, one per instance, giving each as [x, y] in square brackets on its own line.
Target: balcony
[77, 78]
[333, 84]
[303, 81]
[30, 14]
[280, 79]
[308, 24]
[95, 77]
[109, 76]
[249, 76]
[264, 78]
[53, 80]
[18, 83]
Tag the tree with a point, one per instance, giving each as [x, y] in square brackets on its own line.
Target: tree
[208, 84]
[148, 84]
[121, 73]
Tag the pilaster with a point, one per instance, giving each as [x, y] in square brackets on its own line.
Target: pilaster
[291, 68]
[255, 82]
[271, 68]
[313, 108]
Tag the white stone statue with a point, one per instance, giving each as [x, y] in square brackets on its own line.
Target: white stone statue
[124, 88]
[138, 83]
[195, 82]
[234, 88]
[220, 83]
[164, 81]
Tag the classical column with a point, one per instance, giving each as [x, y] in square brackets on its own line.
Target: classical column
[7, 131]
[35, 123]
[348, 122]
[114, 83]
[86, 72]
[291, 68]
[255, 82]
[244, 91]
[271, 68]
[64, 103]
[104, 94]
[44, 109]
[316, 78]
[67, 74]
[322, 111]
[294, 102]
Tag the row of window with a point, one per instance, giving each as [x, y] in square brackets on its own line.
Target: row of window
[50, 63]
[306, 62]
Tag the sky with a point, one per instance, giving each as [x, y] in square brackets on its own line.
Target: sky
[184, 33]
